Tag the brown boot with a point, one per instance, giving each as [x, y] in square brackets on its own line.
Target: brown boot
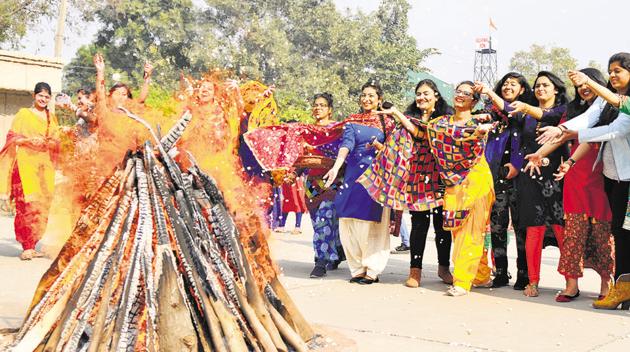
[445, 274]
[413, 280]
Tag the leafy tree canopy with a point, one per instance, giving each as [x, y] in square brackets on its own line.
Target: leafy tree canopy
[301, 46]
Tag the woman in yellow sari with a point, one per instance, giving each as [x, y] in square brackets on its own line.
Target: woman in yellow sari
[458, 141]
[26, 169]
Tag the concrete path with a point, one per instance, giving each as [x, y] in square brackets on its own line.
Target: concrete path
[390, 317]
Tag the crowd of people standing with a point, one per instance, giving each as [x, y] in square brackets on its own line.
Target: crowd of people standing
[555, 169]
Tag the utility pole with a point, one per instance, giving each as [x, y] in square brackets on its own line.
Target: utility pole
[61, 25]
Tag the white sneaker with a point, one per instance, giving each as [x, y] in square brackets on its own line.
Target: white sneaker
[456, 291]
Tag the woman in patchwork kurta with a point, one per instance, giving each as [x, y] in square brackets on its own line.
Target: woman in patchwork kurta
[26, 169]
[458, 142]
[363, 223]
[405, 176]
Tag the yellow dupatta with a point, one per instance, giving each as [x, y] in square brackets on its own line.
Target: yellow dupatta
[35, 167]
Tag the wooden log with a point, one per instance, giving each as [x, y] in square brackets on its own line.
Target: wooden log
[299, 323]
[256, 301]
[292, 337]
[261, 333]
[232, 332]
[175, 328]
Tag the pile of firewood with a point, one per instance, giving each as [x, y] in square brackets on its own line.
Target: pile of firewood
[157, 263]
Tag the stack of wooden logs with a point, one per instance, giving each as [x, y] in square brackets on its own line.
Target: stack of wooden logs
[157, 263]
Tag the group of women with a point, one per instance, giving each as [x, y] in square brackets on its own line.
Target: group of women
[557, 168]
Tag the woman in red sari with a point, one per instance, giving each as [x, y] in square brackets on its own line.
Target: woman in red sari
[26, 169]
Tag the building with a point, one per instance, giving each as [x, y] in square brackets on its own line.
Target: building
[18, 75]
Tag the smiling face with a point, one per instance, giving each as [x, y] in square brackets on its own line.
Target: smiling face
[544, 90]
[619, 77]
[321, 109]
[41, 100]
[426, 98]
[511, 89]
[586, 93]
[206, 92]
[120, 96]
[464, 98]
[369, 99]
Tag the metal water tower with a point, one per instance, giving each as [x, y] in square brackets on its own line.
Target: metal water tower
[485, 61]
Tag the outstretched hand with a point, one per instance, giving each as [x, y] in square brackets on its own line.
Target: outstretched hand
[551, 134]
[577, 78]
[99, 63]
[330, 177]
[148, 69]
[562, 170]
[480, 88]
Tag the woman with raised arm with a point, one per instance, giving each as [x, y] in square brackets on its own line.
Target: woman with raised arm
[506, 159]
[27, 172]
[605, 124]
[540, 201]
[457, 142]
[587, 236]
[117, 133]
[416, 184]
[363, 223]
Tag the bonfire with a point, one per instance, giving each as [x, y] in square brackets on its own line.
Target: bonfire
[157, 262]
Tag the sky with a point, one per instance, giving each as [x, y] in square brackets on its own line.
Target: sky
[590, 30]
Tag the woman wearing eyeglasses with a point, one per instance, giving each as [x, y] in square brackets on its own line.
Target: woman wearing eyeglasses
[458, 142]
[540, 194]
[320, 200]
[405, 176]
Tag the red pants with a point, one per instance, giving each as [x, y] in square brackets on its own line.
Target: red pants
[533, 248]
[30, 217]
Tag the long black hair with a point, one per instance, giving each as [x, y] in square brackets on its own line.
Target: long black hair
[326, 96]
[561, 97]
[441, 106]
[42, 86]
[610, 113]
[577, 106]
[528, 94]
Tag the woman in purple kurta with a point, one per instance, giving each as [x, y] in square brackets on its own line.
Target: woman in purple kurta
[363, 223]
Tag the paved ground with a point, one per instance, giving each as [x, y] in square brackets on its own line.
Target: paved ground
[389, 316]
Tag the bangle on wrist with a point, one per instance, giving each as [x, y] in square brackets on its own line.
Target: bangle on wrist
[571, 162]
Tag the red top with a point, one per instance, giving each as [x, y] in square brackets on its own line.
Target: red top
[584, 187]
[293, 196]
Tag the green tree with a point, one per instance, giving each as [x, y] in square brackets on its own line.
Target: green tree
[307, 46]
[16, 16]
[301, 46]
[542, 58]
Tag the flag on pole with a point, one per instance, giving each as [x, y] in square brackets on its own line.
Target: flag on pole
[492, 25]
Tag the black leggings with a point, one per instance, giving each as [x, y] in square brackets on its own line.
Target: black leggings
[420, 221]
[617, 192]
[506, 203]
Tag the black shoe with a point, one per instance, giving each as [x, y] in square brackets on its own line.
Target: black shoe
[333, 265]
[367, 281]
[401, 249]
[318, 271]
[521, 281]
[500, 281]
[356, 279]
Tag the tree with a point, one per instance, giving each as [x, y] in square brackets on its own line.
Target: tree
[542, 58]
[16, 16]
[301, 46]
[307, 46]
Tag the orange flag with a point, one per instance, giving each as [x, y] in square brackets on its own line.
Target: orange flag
[492, 25]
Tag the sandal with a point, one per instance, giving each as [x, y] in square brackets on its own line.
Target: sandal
[27, 254]
[531, 290]
[456, 291]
